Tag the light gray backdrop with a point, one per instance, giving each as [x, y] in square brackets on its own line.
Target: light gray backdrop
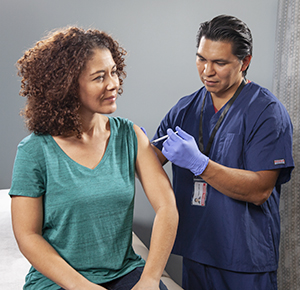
[159, 36]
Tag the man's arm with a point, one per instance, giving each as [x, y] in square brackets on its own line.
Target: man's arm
[244, 185]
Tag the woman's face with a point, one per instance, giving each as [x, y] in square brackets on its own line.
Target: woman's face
[99, 84]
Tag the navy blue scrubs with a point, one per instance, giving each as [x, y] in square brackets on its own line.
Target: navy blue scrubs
[256, 134]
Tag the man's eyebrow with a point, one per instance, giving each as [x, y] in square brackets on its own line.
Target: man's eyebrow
[214, 60]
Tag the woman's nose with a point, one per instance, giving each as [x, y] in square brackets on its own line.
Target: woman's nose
[113, 82]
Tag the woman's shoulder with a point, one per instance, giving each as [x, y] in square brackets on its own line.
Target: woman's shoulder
[33, 140]
[34, 144]
[122, 130]
[120, 123]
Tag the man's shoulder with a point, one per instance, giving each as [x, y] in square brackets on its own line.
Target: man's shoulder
[259, 91]
[259, 102]
[258, 97]
[190, 100]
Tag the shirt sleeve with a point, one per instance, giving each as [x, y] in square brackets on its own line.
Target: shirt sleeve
[161, 131]
[27, 178]
[269, 144]
[172, 119]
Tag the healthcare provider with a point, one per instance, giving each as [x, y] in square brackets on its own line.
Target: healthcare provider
[230, 154]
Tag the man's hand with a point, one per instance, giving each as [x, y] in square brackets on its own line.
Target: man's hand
[182, 150]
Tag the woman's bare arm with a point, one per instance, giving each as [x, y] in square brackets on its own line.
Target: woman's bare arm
[27, 220]
[159, 191]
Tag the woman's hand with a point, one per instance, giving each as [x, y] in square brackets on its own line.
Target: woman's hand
[91, 286]
[143, 285]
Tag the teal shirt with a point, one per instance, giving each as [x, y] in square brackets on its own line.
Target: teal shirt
[88, 213]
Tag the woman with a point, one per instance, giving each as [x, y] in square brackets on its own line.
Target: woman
[73, 180]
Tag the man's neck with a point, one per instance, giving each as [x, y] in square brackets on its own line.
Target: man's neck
[220, 99]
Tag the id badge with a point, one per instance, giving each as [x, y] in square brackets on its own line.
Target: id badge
[200, 191]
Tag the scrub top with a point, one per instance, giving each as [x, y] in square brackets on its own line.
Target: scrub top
[256, 134]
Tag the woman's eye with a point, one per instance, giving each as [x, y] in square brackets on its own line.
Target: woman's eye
[99, 78]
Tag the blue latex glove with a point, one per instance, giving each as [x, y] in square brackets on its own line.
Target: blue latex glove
[182, 150]
[144, 130]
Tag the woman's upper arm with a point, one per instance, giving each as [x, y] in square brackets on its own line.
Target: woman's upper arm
[27, 215]
[163, 160]
[153, 178]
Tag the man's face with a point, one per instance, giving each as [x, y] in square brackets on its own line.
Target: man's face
[220, 71]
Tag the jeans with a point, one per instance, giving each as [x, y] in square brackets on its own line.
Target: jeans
[127, 281]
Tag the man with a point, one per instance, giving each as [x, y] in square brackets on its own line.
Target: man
[230, 154]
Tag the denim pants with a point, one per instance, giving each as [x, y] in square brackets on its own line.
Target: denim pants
[127, 281]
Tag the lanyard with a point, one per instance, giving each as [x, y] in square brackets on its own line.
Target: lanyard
[222, 116]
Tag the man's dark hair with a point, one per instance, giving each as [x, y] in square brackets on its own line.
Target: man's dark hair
[228, 29]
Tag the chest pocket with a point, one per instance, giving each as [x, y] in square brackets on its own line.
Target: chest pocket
[230, 150]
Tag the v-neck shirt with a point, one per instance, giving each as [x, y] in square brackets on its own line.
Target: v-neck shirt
[88, 213]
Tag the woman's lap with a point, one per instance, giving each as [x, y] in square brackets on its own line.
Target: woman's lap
[127, 281]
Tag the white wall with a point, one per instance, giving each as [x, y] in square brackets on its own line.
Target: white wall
[160, 37]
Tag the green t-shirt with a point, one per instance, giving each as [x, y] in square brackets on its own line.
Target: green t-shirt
[88, 213]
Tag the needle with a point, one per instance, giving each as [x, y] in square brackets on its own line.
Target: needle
[161, 138]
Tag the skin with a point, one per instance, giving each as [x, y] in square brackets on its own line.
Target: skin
[222, 72]
[98, 93]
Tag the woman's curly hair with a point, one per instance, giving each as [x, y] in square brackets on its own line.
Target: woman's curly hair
[50, 72]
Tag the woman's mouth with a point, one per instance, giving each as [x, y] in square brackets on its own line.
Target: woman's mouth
[111, 99]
